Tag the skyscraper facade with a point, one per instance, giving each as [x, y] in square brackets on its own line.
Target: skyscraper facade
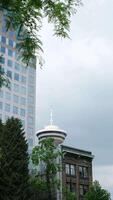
[19, 99]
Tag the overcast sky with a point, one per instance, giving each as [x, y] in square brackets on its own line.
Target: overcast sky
[77, 81]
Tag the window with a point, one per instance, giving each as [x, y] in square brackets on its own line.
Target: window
[9, 74]
[15, 110]
[23, 79]
[30, 142]
[11, 43]
[31, 79]
[1, 94]
[71, 186]
[16, 77]
[31, 89]
[2, 60]
[7, 107]
[67, 169]
[17, 66]
[10, 52]
[3, 49]
[16, 98]
[9, 63]
[0, 116]
[30, 99]
[16, 88]
[11, 33]
[23, 69]
[22, 101]
[30, 131]
[3, 40]
[72, 170]
[83, 189]
[4, 29]
[1, 105]
[83, 172]
[22, 112]
[6, 117]
[23, 90]
[30, 110]
[8, 95]
[23, 123]
[30, 120]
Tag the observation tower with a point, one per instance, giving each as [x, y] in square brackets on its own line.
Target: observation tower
[52, 131]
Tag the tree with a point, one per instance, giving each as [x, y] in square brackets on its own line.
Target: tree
[26, 18]
[96, 192]
[46, 154]
[14, 174]
[68, 195]
[4, 81]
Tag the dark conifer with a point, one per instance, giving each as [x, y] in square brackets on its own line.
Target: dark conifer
[14, 160]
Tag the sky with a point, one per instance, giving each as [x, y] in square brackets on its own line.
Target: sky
[77, 82]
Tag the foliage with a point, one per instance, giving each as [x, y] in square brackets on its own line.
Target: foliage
[4, 81]
[14, 174]
[47, 154]
[96, 192]
[68, 195]
[26, 18]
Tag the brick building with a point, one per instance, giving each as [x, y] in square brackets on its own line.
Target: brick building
[77, 170]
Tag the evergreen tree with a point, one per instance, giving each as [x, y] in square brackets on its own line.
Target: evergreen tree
[96, 192]
[14, 160]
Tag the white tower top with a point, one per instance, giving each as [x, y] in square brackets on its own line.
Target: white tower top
[52, 131]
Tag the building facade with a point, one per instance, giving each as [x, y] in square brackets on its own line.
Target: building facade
[19, 99]
[77, 170]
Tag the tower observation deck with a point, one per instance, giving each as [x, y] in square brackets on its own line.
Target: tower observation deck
[52, 131]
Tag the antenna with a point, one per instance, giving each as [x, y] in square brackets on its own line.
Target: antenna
[51, 117]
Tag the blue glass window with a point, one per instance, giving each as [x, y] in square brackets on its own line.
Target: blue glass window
[8, 95]
[16, 88]
[4, 29]
[16, 98]
[2, 60]
[30, 131]
[1, 105]
[16, 77]
[30, 110]
[30, 142]
[3, 49]
[7, 107]
[9, 63]
[30, 99]
[30, 120]
[9, 74]
[23, 101]
[23, 90]
[22, 112]
[11, 33]
[1, 94]
[3, 40]
[23, 79]
[10, 52]
[17, 66]
[11, 43]
[15, 110]
[23, 123]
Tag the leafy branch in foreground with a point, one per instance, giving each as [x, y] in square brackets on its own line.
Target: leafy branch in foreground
[26, 17]
[4, 81]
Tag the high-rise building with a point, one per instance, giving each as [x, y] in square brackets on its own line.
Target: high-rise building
[19, 99]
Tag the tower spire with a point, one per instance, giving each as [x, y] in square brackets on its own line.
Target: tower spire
[51, 117]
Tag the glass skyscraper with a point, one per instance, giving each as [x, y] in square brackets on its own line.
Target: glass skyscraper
[19, 100]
